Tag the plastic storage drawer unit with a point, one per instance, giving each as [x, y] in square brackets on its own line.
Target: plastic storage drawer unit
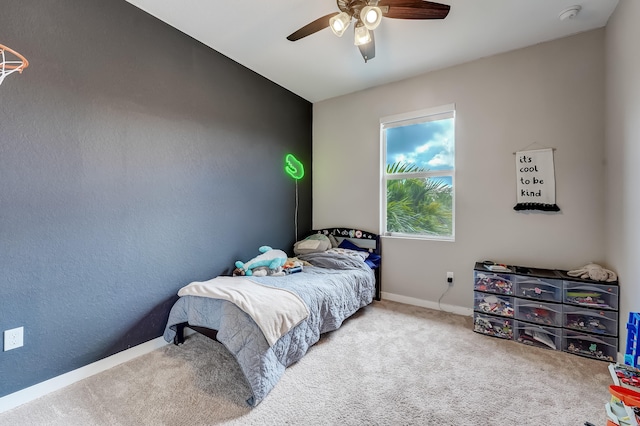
[539, 312]
[493, 283]
[590, 320]
[493, 304]
[597, 347]
[601, 296]
[548, 290]
[539, 336]
[493, 326]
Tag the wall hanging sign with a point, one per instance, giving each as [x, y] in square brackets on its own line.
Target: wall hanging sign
[536, 182]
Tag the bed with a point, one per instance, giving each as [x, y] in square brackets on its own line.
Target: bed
[266, 339]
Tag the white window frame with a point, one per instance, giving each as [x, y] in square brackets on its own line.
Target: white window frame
[406, 119]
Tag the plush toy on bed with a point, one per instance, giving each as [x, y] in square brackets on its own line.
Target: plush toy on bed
[293, 262]
[270, 258]
[265, 271]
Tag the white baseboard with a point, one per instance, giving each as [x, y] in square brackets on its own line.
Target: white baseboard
[459, 310]
[41, 389]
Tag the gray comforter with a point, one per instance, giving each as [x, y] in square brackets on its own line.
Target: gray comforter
[333, 289]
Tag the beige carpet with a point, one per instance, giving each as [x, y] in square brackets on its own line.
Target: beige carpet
[390, 364]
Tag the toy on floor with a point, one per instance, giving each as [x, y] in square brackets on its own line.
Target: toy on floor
[624, 408]
[272, 259]
[632, 355]
[627, 376]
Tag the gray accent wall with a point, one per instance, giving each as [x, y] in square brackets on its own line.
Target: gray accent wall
[133, 160]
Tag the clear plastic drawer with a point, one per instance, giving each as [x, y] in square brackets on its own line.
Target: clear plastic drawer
[493, 283]
[493, 326]
[600, 296]
[537, 335]
[590, 320]
[543, 313]
[548, 290]
[493, 304]
[597, 347]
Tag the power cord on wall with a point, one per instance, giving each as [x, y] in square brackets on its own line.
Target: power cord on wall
[295, 218]
[450, 284]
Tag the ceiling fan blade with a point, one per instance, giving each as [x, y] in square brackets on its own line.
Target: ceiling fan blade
[368, 51]
[312, 27]
[414, 9]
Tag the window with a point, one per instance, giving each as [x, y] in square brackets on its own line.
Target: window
[418, 174]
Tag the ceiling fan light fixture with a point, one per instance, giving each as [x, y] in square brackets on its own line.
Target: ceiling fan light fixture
[340, 23]
[371, 17]
[366, 16]
[362, 35]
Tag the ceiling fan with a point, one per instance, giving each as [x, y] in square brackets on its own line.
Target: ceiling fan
[367, 16]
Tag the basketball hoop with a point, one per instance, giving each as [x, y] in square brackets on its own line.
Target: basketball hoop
[10, 62]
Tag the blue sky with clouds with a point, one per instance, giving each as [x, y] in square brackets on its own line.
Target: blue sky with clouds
[428, 145]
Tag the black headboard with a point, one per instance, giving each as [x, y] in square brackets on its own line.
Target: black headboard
[363, 239]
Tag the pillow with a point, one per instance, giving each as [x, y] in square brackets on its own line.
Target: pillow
[312, 244]
[362, 255]
[334, 242]
[373, 259]
[346, 244]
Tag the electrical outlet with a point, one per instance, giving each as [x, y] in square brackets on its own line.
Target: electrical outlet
[450, 278]
[13, 338]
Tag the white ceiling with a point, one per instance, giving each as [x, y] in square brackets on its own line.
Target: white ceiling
[322, 66]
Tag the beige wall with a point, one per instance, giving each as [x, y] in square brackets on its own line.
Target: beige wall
[550, 93]
[623, 154]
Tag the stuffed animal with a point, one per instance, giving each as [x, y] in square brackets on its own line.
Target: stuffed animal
[265, 271]
[272, 259]
[595, 272]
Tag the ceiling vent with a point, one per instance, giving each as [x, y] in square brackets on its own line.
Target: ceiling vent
[569, 13]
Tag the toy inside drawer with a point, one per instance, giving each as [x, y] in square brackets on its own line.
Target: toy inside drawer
[548, 290]
[592, 295]
[542, 313]
[597, 347]
[590, 320]
[493, 326]
[493, 283]
[537, 335]
[493, 304]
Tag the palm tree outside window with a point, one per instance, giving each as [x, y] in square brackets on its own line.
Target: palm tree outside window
[418, 174]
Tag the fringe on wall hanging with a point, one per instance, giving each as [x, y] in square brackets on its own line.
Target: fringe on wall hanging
[536, 181]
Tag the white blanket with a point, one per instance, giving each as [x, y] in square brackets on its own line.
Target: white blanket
[274, 310]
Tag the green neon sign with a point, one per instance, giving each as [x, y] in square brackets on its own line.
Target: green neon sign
[293, 167]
